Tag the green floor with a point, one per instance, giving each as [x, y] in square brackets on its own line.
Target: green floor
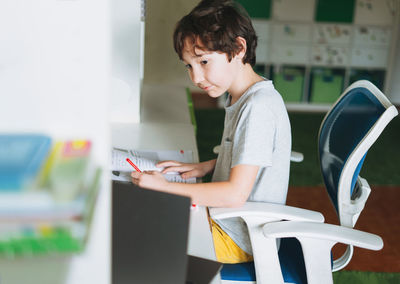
[379, 166]
[361, 277]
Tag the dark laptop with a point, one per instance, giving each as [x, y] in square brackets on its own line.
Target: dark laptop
[149, 239]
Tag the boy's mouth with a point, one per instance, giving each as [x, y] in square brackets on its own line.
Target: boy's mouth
[205, 88]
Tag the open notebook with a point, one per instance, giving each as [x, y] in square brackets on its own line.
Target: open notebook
[146, 161]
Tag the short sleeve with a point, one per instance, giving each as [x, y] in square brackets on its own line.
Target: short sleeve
[253, 140]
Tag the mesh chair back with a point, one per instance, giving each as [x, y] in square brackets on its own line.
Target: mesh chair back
[342, 131]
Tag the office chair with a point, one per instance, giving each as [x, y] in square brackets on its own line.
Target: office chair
[348, 130]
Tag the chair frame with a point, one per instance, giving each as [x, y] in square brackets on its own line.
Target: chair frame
[349, 210]
[269, 222]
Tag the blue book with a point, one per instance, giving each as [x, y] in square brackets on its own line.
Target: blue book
[21, 158]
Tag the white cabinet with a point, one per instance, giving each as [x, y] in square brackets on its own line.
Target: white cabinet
[363, 49]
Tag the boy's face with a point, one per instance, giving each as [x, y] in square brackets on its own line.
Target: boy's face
[209, 70]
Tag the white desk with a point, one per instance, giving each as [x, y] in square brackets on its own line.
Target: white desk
[166, 126]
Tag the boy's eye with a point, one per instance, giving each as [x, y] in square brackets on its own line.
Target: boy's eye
[204, 62]
[188, 66]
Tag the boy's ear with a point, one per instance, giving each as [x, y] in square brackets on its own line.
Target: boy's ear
[241, 42]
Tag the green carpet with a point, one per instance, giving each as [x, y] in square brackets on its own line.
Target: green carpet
[379, 166]
[363, 277]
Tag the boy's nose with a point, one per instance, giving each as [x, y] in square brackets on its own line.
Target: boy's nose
[197, 76]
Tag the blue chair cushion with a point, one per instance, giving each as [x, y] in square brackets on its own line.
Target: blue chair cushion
[238, 272]
[290, 258]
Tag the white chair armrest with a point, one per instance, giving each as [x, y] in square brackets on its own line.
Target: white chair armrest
[216, 149]
[268, 210]
[317, 240]
[256, 214]
[324, 232]
[296, 157]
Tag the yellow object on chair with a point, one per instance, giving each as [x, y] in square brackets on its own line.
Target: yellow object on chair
[226, 250]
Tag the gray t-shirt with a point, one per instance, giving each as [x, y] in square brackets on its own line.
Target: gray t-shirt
[256, 132]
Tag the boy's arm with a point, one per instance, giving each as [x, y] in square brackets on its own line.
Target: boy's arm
[231, 193]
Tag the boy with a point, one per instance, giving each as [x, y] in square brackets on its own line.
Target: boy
[216, 42]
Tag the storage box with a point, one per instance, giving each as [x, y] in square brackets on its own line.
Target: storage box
[326, 85]
[289, 83]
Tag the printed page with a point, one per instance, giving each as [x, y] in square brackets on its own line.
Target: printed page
[119, 163]
[146, 161]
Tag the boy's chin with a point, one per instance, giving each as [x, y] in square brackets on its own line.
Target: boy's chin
[215, 93]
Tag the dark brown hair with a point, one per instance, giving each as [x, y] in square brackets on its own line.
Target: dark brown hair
[216, 24]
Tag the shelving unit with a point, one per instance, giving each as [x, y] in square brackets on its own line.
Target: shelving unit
[55, 73]
[306, 40]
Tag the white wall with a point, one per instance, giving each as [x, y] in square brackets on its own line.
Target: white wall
[394, 81]
[162, 64]
[126, 59]
[54, 69]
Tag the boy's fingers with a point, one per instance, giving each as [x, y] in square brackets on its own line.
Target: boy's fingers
[135, 174]
[168, 164]
[170, 169]
[189, 174]
[135, 177]
[176, 169]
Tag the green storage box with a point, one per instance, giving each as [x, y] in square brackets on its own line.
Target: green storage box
[289, 84]
[326, 87]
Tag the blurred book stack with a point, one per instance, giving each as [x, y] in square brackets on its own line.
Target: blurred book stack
[47, 194]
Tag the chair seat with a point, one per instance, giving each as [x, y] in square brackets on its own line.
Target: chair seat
[290, 258]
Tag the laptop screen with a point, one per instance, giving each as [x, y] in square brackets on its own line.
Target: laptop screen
[149, 235]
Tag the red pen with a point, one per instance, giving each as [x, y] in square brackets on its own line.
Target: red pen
[133, 165]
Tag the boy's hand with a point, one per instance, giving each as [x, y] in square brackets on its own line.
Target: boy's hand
[186, 170]
[150, 179]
